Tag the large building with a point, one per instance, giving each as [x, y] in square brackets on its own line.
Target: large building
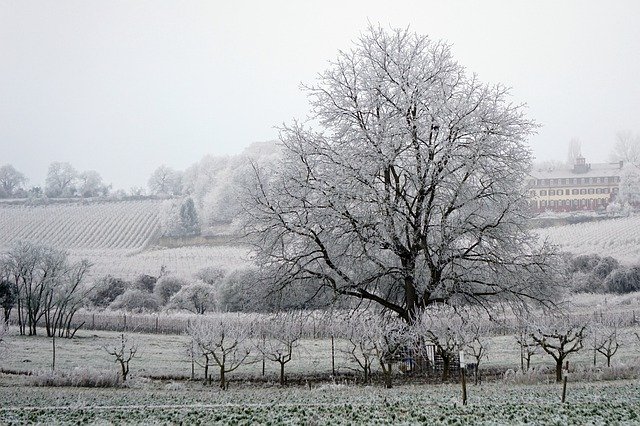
[586, 186]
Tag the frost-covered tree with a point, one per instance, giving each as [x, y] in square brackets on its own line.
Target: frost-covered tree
[167, 286]
[559, 337]
[626, 148]
[90, 184]
[282, 333]
[11, 181]
[165, 181]
[135, 300]
[123, 350]
[409, 187]
[198, 298]
[8, 298]
[226, 343]
[359, 330]
[180, 218]
[61, 180]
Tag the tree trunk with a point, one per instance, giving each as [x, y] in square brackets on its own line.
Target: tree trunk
[282, 373]
[446, 362]
[388, 376]
[223, 381]
[559, 370]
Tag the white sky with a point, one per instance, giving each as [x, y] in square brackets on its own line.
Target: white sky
[124, 86]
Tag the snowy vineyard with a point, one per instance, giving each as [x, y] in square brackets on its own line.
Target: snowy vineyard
[97, 225]
[619, 238]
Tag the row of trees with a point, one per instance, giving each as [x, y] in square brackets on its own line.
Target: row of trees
[62, 181]
[44, 286]
[375, 342]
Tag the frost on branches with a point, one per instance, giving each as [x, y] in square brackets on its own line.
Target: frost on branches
[407, 189]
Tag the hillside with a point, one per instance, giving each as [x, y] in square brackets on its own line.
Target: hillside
[619, 238]
[120, 238]
[131, 225]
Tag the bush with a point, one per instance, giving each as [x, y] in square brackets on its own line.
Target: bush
[106, 290]
[136, 301]
[624, 280]
[168, 286]
[211, 275]
[78, 377]
[145, 283]
[198, 298]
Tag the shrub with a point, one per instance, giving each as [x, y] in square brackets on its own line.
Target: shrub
[624, 280]
[211, 275]
[198, 298]
[145, 283]
[106, 290]
[136, 301]
[78, 377]
[168, 286]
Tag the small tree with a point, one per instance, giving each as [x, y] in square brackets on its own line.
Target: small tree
[106, 290]
[198, 298]
[559, 338]
[283, 332]
[7, 299]
[444, 328]
[167, 286]
[392, 337]
[359, 331]
[124, 350]
[604, 339]
[224, 342]
[477, 345]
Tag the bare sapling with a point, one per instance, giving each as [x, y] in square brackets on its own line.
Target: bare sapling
[528, 346]
[604, 339]
[123, 350]
[358, 331]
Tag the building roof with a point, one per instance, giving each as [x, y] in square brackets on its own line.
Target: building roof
[593, 170]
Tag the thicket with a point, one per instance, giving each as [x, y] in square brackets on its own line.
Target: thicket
[592, 273]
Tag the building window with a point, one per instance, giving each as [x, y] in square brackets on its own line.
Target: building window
[543, 203]
[583, 191]
[605, 191]
[598, 180]
[598, 191]
[552, 192]
[532, 193]
[574, 192]
[591, 191]
[543, 192]
[559, 191]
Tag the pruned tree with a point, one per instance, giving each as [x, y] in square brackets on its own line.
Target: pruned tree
[410, 192]
[123, 350]
[559, 337]
[61, 180]
[11, 181]
[226, 343]
[282, 332]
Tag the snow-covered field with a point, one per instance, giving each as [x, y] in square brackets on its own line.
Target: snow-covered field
[179, 403]
[118, 237]
[619, 238]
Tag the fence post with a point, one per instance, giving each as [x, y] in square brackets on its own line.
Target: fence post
[124, 326]
[93, 321]
[156, 324]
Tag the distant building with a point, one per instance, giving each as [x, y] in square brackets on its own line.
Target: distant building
[586, 186]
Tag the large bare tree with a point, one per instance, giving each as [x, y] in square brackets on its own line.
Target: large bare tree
[406, 187]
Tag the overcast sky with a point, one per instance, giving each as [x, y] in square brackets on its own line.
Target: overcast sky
[124, 86]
